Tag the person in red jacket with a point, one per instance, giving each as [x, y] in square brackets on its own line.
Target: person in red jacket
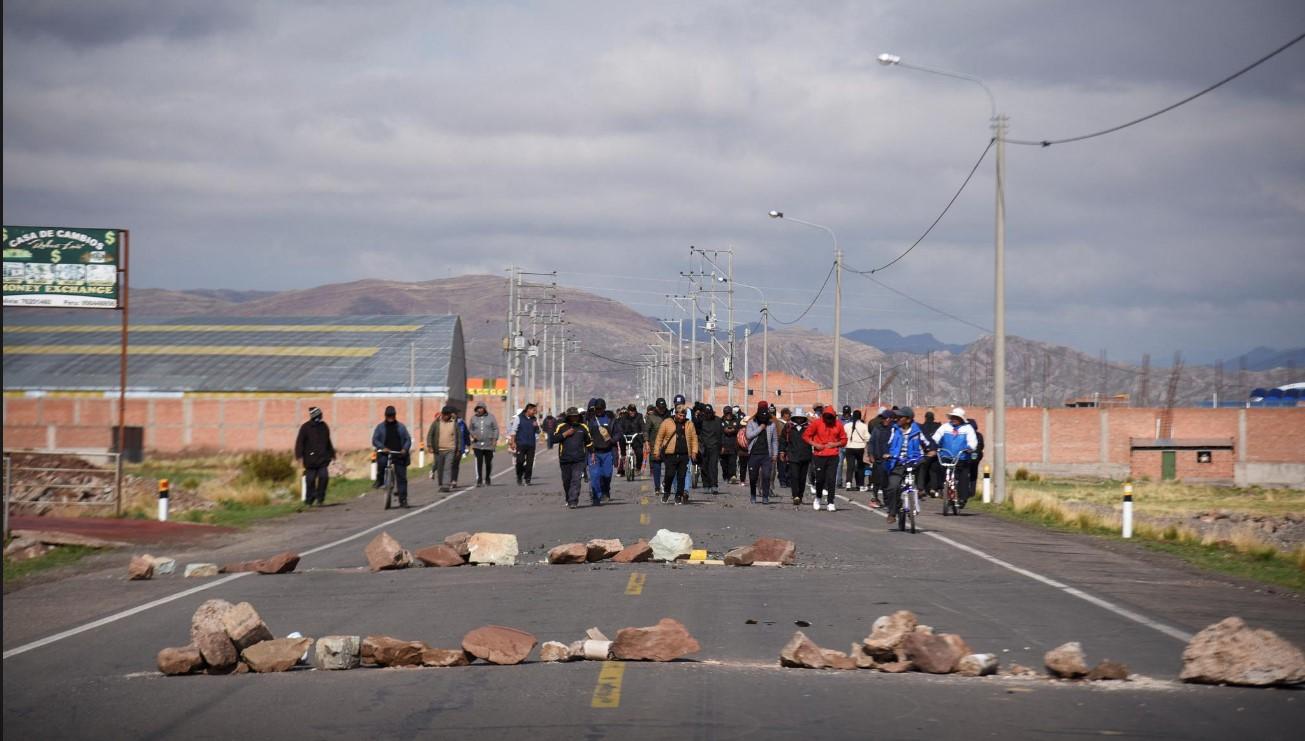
[827, 439]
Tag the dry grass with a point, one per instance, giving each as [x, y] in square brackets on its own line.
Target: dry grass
[1173, 498]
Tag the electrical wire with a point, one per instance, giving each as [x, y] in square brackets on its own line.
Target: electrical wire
[613, 360]
[812, 305]
[1166, 109]
[940, 216]
[935, 309]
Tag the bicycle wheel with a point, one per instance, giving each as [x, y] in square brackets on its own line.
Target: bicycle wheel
[389, 487]
[911, 518]
[901, 517]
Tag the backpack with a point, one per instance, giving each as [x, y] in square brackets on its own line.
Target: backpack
[742, 438]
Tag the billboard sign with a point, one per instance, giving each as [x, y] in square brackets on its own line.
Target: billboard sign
[61, 267]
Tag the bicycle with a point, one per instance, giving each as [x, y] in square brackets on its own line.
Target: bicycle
[908, 504]
[631, 462]
[390, 476]
[952, 499]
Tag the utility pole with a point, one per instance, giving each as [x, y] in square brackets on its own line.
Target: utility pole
[999, 322]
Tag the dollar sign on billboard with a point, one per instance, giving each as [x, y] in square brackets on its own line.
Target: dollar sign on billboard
[110, 237]
[54, 256]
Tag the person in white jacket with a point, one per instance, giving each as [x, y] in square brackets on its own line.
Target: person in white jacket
[858, 436]
[957, 440]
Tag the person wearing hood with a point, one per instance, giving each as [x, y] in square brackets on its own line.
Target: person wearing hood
[445, 443]
[763, 447]
[393, 444]
[653, 421]
[796, 454]
[523, 436]
[781, 433]
[629, 425]
[571, 436]
[710, 436]
[484, 439]
[729, 447]
[881, 432]
[313, 449]
[931, 473]
[827, 438]
[602, 458]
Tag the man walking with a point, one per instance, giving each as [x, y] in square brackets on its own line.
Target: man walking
[393, 443]
[602, 459]
[484, 439]
[858, 436]
[523, 436]
[796, 454]
[827, 438]
[676, 443]
[880, 435]
[313, 449]
[656, 416]
[781, 460]
[729, 446]
[762, 449]
[931, 475]
[573, 446]
[444, 441]
[710, 436]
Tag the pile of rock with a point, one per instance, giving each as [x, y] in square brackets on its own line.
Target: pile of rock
[384, 553]
[1067, 661]
[668, 640]
[147, 567]
[765, 551]
[227, 638]
[600, 549]
[1232, 652]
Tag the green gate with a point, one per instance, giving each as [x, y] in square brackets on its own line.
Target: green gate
[1168, 465]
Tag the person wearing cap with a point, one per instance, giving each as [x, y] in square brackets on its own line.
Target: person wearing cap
[573, 446]
[675, 444]
[881, 432]
[858, 437]
[313, 449]
[763, 447]
[906, 449]
[393, 445]
[653, 420]
[602, 459]
[629, 425]
[931, 474]
[711, 433]
[523, 436]
[484, 439]
[827, 439]
[445, 442]
[729, 446]
[957, 439]
[795, 452]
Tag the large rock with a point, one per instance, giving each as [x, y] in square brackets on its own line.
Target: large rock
[601, 549]
[276, 655]
[931, 653]
[499, 549]
[1066, 661]
[445, 657]
[1231, 652]
[458, 542]
[634, 553]
[140, 568]
[895, 667]
[569, 553]
[387, 651]
[498, 644]
[838, 659]
[887, 633]
[668, 545]
[439, 555]
[774, 550]
[384, 552]
[742, 556]
[1108, 669]
[862, 659]
[281, 563]
[163, 565]
[220, 654]
[977, 665]
[337, 652]
[803, 653]
[666, 641]
[554, 651]
[244, 627]
[183, 660]
[199, 570]
[208, 617]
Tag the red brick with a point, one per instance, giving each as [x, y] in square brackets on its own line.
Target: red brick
[169, 412]
[22, 412]
[25, 436]
[1075, 435]
[83, 437]
[97, 412]
[58, 411]
[1274, 435]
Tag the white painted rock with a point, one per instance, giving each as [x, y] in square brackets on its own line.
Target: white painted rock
[337, 652]
[201, 569]
[164, 565]
[977, 665]
[668, 545]
[499, 549]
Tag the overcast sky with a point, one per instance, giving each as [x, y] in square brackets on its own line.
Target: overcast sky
[286, 145]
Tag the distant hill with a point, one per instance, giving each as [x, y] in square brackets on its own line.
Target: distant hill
[890, 341]
[1266, 358]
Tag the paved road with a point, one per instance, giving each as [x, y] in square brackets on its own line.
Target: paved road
[1007, 589]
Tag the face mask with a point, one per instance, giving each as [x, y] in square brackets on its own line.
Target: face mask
[829, 418]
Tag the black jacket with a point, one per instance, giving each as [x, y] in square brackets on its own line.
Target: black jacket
[879, 437]
[729, 436]
[798, 449]
[573, 449]
[313, 445]
[711, 433]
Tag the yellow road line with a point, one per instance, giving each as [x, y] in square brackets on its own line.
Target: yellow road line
[634, 587]
[608, 692]
[305, 351]
[644, 519]
[78, 328]
[643, 501]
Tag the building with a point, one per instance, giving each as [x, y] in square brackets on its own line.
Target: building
[223, 383]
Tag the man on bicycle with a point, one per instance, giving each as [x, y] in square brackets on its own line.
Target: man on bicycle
[956, 441]
[906, 449]
[393, 445]
[629, 431]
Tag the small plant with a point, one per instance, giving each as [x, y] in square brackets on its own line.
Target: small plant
[266, 465]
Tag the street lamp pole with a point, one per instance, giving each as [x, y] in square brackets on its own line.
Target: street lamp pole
[999, 124]
[838, 291]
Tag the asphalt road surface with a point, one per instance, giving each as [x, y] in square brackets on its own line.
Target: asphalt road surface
[79, 653]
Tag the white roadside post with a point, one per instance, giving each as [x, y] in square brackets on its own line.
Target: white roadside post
[421, 456]
[987, 484]
[303, 487]
[1128, 511]
[373, 465]
[163, 500]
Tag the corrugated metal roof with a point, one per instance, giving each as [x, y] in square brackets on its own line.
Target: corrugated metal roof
[356, 354]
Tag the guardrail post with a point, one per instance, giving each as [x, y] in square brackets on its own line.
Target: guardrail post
[1128, 511]
[163, 500]
[987, 484]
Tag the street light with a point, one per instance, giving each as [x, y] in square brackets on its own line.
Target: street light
[999, 124]
[838, 289]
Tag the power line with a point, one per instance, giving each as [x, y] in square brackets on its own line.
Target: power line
[1166, 109]
[813, 301]
[866, 274]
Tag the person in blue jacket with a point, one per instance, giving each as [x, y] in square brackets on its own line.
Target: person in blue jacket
[906, 448]
[392, 438]
[602, 457]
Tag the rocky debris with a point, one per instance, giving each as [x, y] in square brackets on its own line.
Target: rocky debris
[276, 655]
[445, 657]
[499, 549]
[1108, 669]
[163, 565]
[576, 649]
[1232, 652]
[669, 546]
[934, 654]
[387, 651]
[896, 667]
[458, 542]
[439, 555]
[140, 568]
[977, 665]
[803, 653]
[24, 548]
[1066, 661]
[742, 556]
[208, 617]
[244, 627]
[601, 549]
[281, 563]
[183, 660]
[199, 570]
[862, 659]
[384, 552]
[595, 650]
[635, 553]
[923, 629]
[554, 651]
[1019, 670]
[666, 641]
[594, 634]
[219, 653]
[838, 659]
[887, 633]
[569, 553]
[498, 644]
[337, 652]
[774, 550]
